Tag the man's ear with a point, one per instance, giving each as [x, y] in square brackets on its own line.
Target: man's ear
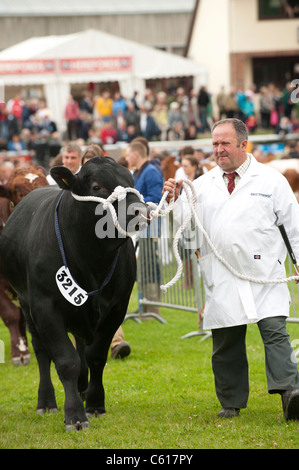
[244, 144]
[63, 177]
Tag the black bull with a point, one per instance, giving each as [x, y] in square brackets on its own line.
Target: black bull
[31, 258]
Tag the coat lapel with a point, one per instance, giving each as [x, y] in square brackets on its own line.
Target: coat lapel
[251, 172]
[218, 179]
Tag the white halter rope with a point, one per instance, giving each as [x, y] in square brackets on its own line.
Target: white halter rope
[192, 198]
[120, 193]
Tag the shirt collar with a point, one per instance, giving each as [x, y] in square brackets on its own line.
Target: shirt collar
[242, 168]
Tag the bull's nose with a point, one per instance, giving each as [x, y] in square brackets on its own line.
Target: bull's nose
[141, 216]
[144, 213]
[140, 210]
[148, 213]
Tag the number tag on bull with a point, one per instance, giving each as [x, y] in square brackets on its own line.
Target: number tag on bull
[69, 288]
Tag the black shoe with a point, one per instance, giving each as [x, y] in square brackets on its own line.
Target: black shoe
[121, 350]
[229, 412]
[290, 404]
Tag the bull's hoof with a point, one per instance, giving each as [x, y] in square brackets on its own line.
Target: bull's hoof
[78, 426]
[21, 360]
[26, 360]
[95, 413]
[42, 411]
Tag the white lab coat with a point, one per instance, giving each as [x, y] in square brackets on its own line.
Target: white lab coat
[243, 228]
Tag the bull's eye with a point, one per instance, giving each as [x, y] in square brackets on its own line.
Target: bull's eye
[99, 190]
[96, 188]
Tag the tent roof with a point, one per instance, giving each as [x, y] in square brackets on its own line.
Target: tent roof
[147, 62]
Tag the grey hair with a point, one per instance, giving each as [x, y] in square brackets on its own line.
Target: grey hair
[239, 126]
[72, 147]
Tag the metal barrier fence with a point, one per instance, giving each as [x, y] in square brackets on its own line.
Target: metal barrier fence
[156, 266]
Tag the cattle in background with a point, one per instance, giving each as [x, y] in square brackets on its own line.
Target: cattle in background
[55, 260]
[21, 182]
[289, 167]
[170, 166]
[5, 211]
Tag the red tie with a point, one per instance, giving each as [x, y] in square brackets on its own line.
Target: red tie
[231, 181]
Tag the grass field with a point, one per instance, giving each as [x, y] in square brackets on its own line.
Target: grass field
[161, 397]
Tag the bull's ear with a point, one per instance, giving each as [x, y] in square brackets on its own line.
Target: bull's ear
[63, 177]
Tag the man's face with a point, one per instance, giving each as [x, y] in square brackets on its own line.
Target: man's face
[229, 155]
[71, 160]
[131, 158]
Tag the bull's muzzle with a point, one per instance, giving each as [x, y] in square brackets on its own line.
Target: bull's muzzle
[142, 214]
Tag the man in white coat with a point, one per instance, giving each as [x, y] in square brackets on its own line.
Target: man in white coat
[242, 202]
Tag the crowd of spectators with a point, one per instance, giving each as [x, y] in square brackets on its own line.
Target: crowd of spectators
[106, 119]
[270, 109]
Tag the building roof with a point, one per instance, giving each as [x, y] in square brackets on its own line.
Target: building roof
[148, 62]
[92, 7]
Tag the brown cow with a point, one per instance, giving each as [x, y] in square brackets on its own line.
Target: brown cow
[289, 167]
[21, 182]
[169, 166]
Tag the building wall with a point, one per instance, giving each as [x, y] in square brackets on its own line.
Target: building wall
[253, 38]
[248, 33]
[167, 31]
[228, 35]
[209, 43]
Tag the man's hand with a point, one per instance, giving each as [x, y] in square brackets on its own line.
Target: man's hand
[173, 187]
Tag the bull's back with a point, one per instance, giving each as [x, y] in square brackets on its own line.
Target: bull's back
[15, 243]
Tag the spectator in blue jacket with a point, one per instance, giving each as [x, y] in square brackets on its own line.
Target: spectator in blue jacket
[16, 144]
[149, 182]
[119, 104]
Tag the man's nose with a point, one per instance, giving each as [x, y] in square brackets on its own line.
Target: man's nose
[219, 148]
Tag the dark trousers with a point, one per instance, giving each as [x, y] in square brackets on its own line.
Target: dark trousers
[230, 365]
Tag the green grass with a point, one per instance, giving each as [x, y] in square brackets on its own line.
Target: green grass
[161, 397]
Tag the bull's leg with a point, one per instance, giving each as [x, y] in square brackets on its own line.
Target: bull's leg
[46, 394]
[11, 316]
[68, 366]
[54, 340]
[96, 355]
[95, 398]
[83, 377]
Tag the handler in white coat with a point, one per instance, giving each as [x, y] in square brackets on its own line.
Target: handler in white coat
[241, 217]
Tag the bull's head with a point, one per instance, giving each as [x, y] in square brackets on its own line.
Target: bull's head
[98, 179]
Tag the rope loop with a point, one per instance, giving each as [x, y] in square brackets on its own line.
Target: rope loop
[118, 194]
[192, 198]
[158, 210]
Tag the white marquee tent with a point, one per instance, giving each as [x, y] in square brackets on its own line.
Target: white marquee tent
[89, 56]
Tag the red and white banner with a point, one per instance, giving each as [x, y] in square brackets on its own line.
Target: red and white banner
[14, 67]
[76, 65]
[96, 64]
